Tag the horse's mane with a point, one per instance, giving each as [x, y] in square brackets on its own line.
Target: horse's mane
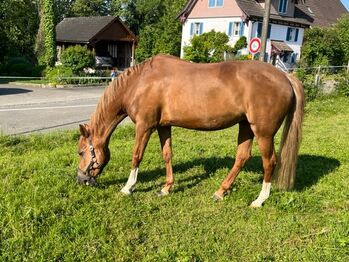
[112, 91]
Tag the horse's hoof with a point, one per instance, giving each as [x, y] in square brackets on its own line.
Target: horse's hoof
[217, 197]
[126, 191]
[163, 193]
[256, 204]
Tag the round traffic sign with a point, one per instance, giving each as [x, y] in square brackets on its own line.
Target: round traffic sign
[255, 45]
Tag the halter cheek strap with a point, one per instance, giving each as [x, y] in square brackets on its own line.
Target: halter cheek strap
[93, 161]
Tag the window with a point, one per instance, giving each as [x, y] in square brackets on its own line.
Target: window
[196, 28]
[292, 34]
[236, 29]
[215, 3]
[282, 6]
[259, 30]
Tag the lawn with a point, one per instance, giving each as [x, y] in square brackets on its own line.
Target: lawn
[46, 216]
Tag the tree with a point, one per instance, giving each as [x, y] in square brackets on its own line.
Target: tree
[321, 46]
[161, 35]
[207, 48]
[90, 8]
[19, 23]
[49, 32]
[342, 30]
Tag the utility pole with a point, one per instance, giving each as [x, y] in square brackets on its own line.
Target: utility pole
[265, 27]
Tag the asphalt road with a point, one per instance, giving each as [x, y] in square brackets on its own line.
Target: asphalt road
[25, 110]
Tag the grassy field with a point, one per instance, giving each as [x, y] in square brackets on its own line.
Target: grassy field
[46, 216]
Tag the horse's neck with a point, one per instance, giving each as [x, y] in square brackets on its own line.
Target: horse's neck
[108, 113]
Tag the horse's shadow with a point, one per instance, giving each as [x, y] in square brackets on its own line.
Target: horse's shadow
[310, 169]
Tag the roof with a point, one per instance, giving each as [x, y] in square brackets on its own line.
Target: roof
[254, 11]
[307, 12]
[281, 46]
[324, 13]
[83, 29]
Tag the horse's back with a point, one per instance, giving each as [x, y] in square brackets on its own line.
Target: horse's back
[213, 96]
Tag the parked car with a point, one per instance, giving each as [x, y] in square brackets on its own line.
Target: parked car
[104, 61]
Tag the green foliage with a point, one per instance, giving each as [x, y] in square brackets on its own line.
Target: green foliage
[240, 44]
[161, 35]
[326, 46]
[77, 58]
[342, 86]
[17, 66]
[342, 30]
[55, 74]
[139, 13]
[207, 47]
[18, 26]
[49, 32]
[45, 216]
[90, 8]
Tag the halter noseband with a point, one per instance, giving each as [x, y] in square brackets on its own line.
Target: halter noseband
[93, 161]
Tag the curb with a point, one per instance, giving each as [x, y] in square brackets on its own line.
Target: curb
[57, 86]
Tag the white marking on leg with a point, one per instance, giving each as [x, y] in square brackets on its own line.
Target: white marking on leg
[263, 195]
[132, 179]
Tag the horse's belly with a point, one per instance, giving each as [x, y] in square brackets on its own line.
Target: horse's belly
[204, 122]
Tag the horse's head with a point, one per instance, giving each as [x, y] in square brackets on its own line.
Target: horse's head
[93, 157]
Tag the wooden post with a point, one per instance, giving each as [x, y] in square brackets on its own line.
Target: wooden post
[133, 54]
[265, 27]
[348, 67]
[317, 76]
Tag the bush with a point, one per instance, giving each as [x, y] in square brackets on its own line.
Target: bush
[17, 66]
[207, 48]
[240, 44]
[77, 58]
[342, 86]
[55, 74]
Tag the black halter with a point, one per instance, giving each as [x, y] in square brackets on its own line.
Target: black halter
[90, 166]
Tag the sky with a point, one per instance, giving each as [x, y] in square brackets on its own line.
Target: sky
[346, 3]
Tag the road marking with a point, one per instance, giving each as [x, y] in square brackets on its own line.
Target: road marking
[44, 108]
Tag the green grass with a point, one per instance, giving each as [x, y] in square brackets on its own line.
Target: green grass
[45, 216]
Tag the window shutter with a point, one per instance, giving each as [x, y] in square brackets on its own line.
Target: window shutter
[201, 28]
[242, 26]
[288, 34]
[296, 38]
[230, 29]
[269, 30]
[191, 29]
[259, 30]
[284, 8]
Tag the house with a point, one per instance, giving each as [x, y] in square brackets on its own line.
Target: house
[108, 37]
[288, 20]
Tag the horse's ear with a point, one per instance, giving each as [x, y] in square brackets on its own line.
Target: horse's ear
[84, 130]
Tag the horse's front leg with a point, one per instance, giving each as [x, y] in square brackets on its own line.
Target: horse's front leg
[165, 140]
[142, 137]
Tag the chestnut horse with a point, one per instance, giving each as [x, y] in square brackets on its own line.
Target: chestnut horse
[165, 91]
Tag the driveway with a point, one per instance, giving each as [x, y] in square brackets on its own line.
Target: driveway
[25, 110]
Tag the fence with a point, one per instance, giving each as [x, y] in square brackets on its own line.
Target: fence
[56, 81]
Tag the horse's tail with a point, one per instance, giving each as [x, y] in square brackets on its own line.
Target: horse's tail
[285, 171]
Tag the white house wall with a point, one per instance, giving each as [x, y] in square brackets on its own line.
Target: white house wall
[220, 24]
[279, 32]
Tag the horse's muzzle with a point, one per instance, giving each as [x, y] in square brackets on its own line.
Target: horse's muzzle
[83, 179]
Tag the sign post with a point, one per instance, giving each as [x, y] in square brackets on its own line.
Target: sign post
[254, 46]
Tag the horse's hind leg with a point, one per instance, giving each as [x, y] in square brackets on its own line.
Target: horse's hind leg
[165, 140]
[243, 154]
[266, 147]
[142, 137]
